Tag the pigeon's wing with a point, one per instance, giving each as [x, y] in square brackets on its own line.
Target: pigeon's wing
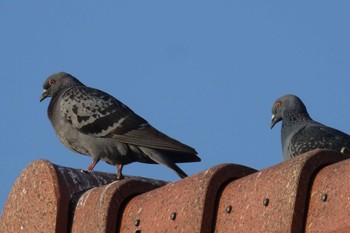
[99, 114]
[96, 113]
[318, 136]
[149, 137]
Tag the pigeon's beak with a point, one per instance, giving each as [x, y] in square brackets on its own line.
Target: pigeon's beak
[44, 95]
[274, 120]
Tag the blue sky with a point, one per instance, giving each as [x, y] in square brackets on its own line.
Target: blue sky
[203, 72]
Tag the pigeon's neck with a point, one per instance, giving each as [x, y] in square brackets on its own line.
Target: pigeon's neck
[68, 85]
[293, 118]
[292, 122]
[50, 109]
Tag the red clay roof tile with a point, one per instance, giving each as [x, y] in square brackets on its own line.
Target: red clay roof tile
[98, 209]
[274, 199]
[329, 206]
[187, 205]
[308, 193]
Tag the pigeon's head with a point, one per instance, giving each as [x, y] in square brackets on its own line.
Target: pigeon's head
[287, 106]
[57, 82]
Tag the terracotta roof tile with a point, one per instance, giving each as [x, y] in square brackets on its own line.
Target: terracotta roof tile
[274, 199]
[329, 206]
[187, 205]
[97, 209]
[308, 193]
[42, 198]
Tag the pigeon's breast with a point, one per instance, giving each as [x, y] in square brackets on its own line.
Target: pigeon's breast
[288, 134]
[71, 137]
[107, 149]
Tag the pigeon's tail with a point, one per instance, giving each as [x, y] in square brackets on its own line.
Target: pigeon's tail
[179, 171]
[163, 159]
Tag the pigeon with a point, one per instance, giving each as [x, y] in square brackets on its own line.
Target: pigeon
[94, 123]
[300, 133]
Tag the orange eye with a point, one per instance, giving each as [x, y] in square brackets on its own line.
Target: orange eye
[278, 104]
[52, 81]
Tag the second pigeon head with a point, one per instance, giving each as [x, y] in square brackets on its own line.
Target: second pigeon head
[286, 107]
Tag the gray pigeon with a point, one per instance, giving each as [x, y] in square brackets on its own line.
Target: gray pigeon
[94, 123]
[299, 133]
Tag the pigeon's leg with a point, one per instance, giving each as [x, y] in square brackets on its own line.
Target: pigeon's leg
[93, 164]
[119, 171]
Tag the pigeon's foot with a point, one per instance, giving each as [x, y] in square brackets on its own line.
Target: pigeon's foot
[344, 150]
[85, 171]
[120, 176]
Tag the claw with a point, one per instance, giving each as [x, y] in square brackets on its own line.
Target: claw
[344, 150]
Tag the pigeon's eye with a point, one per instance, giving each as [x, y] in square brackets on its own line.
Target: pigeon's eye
[278, 104]
[52, 82]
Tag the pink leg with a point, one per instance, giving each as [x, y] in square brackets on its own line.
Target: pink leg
[119, 172]
[92, 165]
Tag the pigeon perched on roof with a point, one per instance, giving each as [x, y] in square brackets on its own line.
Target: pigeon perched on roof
[94, 123]
[299, 133]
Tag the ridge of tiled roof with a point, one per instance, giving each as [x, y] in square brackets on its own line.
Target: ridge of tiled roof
[310, 193]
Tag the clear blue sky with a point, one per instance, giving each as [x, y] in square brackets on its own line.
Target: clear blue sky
[203, 72]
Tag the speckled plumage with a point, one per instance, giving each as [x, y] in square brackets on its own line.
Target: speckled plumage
[300, 133]
[94, 123]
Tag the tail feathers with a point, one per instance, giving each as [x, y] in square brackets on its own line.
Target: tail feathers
[160, 158]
